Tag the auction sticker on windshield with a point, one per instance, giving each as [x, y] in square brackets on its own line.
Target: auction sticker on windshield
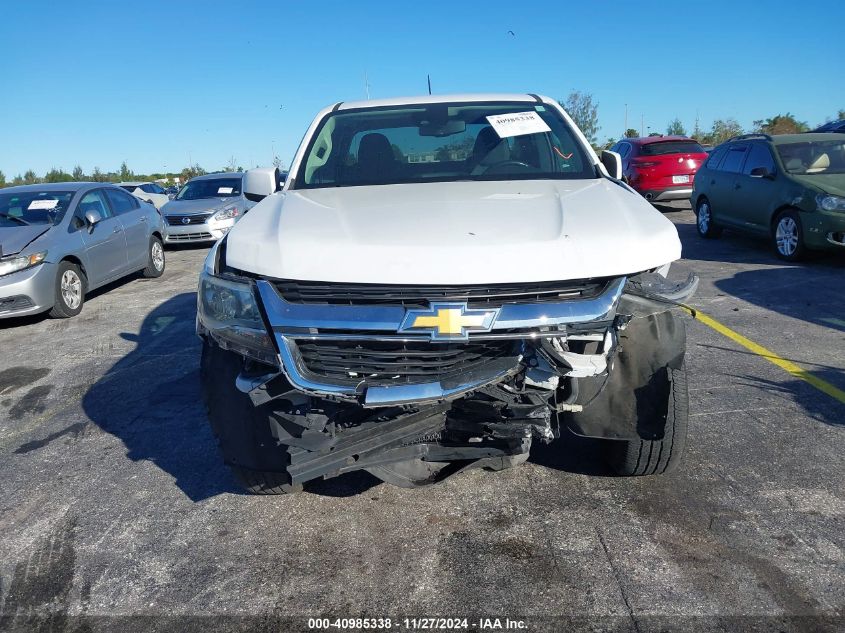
[517, 124]
[43, 204]
[225, 190]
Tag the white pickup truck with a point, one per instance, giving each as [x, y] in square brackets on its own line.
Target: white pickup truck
[439, 282]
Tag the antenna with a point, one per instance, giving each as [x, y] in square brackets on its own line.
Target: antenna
[366, 85]
[429, 83]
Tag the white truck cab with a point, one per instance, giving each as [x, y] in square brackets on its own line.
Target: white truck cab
[440, 281]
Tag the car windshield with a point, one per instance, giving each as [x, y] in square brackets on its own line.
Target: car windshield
[671, 147]
[813, 157]
[210, 188]
[442, 142]
[33, 207]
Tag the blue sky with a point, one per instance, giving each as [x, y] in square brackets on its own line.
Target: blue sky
[160, 83]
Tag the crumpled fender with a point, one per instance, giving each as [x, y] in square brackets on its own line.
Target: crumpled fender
[631, 401]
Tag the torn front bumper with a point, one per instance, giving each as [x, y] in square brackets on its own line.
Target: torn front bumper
[294, 325]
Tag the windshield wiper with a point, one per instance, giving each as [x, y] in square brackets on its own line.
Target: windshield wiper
[14, 217]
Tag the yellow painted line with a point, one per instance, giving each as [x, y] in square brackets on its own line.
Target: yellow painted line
[788, 366]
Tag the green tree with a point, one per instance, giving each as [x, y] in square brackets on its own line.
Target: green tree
[125, 173]
[78, 174]
[2, 179]
[780, 124]
[631, 133]
[57, 175]
[17, 180]
[191, 171]
[29, 178]
[723, 129]
[584, 112]
[98, 176]
[676, 128]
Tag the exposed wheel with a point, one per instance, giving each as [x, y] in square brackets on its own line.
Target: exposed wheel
[704, 220]
[655, 457]
[242, 429]
[788, 236]
[70, 291]
[155, 260]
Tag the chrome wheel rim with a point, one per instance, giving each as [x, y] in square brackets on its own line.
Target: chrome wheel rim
[703, 217]
[157, 254]
[786, 236]
[71, 287]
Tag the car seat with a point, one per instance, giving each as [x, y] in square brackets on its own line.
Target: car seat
[489, 149]
[375, 158]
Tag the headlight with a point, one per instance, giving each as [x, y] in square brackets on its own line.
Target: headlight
[227, 214]
[830, 203]
[13, 265]
[227, 310]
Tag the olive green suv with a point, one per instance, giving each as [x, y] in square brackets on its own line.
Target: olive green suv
[789, 188]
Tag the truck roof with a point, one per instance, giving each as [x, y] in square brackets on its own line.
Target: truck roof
[423, 99]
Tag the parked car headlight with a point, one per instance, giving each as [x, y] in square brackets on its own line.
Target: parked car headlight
[227, 214]
[14, 264]
[228, 311]
[830, 203]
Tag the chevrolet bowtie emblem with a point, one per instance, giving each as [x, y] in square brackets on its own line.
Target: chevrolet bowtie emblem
[448, 321]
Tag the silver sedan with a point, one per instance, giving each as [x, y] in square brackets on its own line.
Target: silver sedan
[206, 208]
[59, 241]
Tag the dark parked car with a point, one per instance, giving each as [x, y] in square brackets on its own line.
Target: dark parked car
[832, 126]
[661, 168]
[789, 188]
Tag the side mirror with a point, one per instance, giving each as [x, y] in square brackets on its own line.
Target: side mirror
[260, 183]
[612, 163]
[761, 172]
[92, 217]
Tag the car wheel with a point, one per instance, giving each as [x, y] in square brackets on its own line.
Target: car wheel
[788, 236]
[704, 220]
[70, 291]
[655, 457]
[155, 260]
[242, 429]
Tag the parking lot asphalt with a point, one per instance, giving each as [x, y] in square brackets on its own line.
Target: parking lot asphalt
[115, 501]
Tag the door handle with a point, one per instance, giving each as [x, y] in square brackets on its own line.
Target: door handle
[143, 218]
[117, 229]
[737, 186]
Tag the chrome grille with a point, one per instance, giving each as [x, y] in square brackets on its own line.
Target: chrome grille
[179, 220]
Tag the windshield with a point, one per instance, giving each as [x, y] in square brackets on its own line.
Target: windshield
[442, 142]
[671, 147]
[813, 157]
[210, 188]
[33, 207]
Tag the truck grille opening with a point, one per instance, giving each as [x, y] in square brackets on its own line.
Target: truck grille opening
[400, 362]
[492, 295]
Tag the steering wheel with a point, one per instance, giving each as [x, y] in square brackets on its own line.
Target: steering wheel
[508, 163]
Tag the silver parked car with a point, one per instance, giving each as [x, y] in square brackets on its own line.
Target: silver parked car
[151, 192]
[59, 241]
[206, 208]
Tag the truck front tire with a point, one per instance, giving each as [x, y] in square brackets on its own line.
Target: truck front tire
[242, 429]
[639, 457]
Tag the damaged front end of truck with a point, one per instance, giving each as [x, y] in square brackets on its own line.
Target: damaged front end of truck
[306, 380]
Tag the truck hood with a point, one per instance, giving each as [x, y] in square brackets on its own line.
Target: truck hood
[15, 238]
[454, 233]
[204, 205]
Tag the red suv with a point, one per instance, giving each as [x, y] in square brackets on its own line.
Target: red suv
[660, 167]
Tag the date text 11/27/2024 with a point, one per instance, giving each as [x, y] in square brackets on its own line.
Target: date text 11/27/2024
[416, 624]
